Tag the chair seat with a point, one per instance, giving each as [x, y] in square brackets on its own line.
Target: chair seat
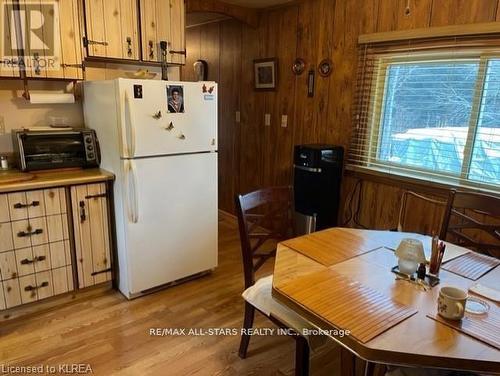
[260, 296]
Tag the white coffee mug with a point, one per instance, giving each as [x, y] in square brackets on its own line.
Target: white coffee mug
[451, 303]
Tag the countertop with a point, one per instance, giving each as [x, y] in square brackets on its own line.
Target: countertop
[53, 178]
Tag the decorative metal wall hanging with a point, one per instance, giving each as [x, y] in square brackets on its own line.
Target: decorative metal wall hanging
[298, 66]
[325, 68]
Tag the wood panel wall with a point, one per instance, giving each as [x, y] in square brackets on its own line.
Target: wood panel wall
[253, 155]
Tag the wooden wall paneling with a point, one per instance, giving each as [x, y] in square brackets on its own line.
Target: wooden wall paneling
[392, 14]
[210, 48]
[326, 45]
[229, 103]
[449, 12]
[252, 112]
[498, 11]
[283, 40]
[342, 80]
[308, 26]
[193, 38]
[266, 137]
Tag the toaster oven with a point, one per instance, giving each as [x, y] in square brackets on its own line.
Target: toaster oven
[58, 148]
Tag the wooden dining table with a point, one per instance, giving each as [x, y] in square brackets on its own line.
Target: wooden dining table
[319, 276]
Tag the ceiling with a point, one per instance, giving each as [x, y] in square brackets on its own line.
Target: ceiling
[256, 3]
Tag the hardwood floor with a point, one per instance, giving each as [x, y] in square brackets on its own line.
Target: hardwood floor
[112, 334]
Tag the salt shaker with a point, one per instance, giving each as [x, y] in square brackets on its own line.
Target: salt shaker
[4, 164]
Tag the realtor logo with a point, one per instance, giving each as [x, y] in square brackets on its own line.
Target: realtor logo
[30, 36]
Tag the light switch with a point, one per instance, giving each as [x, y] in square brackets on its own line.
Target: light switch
[267, 120]
[238, 117]
[284, 121]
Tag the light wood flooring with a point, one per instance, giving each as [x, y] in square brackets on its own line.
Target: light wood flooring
[112, 334]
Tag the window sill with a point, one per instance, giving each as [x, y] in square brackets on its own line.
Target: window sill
[433, 187]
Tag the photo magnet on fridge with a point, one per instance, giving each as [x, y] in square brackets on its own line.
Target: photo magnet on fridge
[175, 97]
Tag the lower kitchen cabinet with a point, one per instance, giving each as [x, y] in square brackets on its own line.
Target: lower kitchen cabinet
[50, 245]
[91, 229]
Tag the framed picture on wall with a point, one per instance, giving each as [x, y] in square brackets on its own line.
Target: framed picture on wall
[266, 74]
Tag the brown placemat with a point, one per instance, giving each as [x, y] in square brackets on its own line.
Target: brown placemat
[335, 245]
[485, 328]
[346, 304]
[472, 265]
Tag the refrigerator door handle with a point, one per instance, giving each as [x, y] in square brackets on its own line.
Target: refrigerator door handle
[131, 186]
[129, 127]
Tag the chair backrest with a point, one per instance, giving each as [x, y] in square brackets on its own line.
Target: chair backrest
[472, 220]
[265, 217]
[420, 214]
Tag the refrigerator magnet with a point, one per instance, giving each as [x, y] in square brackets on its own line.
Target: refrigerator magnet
[175, 98]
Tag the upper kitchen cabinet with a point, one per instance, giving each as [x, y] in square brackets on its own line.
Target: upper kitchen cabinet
[50, 46]
[112, 29]
[163, 21]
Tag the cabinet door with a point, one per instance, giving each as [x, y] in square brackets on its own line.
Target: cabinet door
[8, 68]
[71, 37]
[155, 27]
[111, 28]
[91, 228]
[177, 32]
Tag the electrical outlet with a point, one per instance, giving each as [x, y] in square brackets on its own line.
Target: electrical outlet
[238, 117]
[2, 125]
[267, 120]
[284, 121]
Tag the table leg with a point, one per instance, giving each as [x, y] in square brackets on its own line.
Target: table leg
[347, 363]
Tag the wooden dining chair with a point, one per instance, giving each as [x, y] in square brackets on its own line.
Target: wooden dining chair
[420, 214]
[265, 217]
[472, 220]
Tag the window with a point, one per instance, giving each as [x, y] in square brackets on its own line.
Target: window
[433, 115]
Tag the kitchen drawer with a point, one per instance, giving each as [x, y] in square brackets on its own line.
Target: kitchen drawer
[33, 287]
[28, 289]
[33, 204]
[29, 232]
[6, 238]
[26, 261]
[44, 285]
[23, 205]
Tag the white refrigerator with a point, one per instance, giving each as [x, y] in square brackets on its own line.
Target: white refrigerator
[160, 139]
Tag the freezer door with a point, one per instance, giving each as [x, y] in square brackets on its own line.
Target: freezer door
[171, 224]
[149, 129]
